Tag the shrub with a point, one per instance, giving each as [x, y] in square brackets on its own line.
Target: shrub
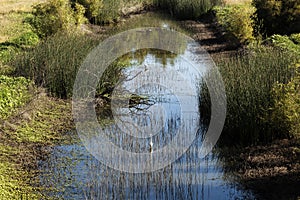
[285, 42]
[237, 19]
[277, 16]
[92, 8]
[286, 110]
[53, 16]
[26, 39]
[295, 38]
[10, 48]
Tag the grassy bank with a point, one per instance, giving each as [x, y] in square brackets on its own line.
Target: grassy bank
[39, 122]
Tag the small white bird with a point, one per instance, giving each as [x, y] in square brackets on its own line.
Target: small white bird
[151, 145]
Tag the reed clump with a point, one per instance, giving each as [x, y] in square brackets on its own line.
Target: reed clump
[249, 80]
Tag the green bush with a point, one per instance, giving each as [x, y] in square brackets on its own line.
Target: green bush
[10, 49]
[7, 52]
[237, 19]
[14, 93]
[285, 42]
[277, 16]
[55, 15]
[286, 110]
[295, 38]
[92, 8]
[26, 39]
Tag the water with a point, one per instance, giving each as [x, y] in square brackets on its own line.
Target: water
[76, 174]
[154, 114]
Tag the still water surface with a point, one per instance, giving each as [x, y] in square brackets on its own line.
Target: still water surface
[71, 172]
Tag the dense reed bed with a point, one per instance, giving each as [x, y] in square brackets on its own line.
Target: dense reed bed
[249, 80]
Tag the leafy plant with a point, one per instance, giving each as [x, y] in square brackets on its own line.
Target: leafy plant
[286, 110]
[285, 42]
[55, 15]
[237, 19]
[13, 94]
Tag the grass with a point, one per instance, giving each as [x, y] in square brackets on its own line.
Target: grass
[12, 26]
[7, 6]
[11, 185]
[54, 63]
[249, 80]
[186, 9]
[38, 123]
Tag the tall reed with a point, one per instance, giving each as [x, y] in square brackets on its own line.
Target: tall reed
[186, 9]
[249, 79]
[55, 62]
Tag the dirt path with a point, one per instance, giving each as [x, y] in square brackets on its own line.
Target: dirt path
[211, 36]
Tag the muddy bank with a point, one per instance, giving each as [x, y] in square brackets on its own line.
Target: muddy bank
[272, 170]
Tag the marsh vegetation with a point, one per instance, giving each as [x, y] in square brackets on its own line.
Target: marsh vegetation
[42, 48]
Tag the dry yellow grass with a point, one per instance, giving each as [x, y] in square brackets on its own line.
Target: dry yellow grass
[230, 2]
[12, 14]
[17, 5]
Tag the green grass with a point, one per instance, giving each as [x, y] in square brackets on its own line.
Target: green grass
[54, 63]
[249, 80]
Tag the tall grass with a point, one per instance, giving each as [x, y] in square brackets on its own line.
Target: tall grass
[54, 62]
[186, 9]
[249, 79]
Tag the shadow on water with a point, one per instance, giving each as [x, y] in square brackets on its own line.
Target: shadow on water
[71, 172]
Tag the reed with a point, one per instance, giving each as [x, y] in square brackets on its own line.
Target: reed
[186, 9]
[249, 80]
[54, 62]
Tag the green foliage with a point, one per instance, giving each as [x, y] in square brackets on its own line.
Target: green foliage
[12, 187]
[286, 42]
[92, 8]
[13, 94]
[186, 9]
[237, 19]
[10, 48]
[278, 16]
[7, 52]
[6, 70]
[109, 12]
[295, 38]
[249, 80]
[26, 39]
[286, 111]
[55, 15]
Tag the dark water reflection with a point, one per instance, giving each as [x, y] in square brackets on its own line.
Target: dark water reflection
[71, 172]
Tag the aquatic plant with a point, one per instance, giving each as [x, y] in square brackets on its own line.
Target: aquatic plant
[249, 80]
